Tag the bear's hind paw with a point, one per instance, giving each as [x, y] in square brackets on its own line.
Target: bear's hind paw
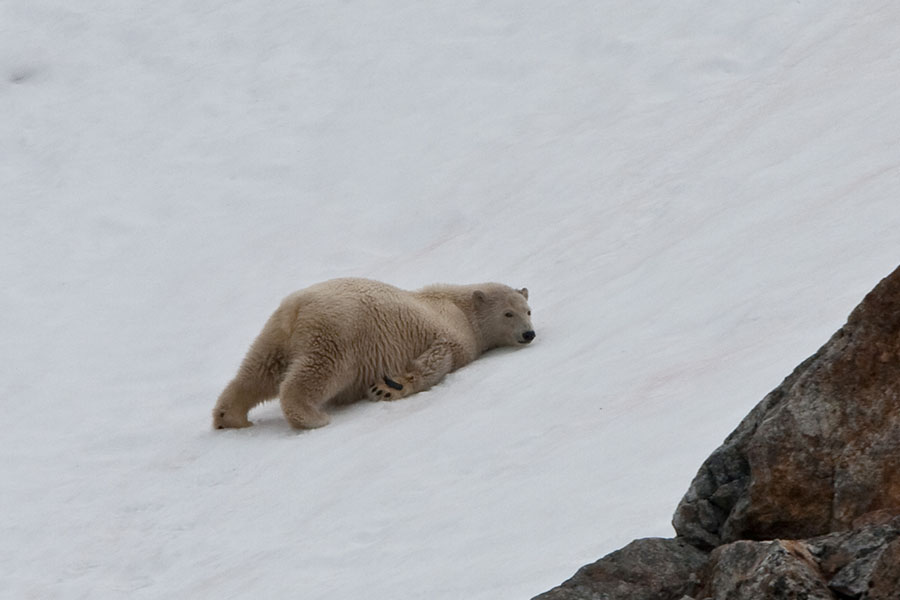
[388, 389]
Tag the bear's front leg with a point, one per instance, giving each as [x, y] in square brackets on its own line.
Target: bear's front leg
[426, 370]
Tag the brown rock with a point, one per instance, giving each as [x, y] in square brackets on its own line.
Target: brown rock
[876, 517]
[815, 467]
[820, 450]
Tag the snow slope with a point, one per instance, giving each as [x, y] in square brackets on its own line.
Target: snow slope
[695, 193]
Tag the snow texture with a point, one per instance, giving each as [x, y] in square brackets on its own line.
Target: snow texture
[696, 194]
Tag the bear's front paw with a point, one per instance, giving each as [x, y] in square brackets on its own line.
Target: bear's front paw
[387, 389]
[223, 420]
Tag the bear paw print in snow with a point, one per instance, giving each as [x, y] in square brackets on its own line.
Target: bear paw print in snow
[388, 389]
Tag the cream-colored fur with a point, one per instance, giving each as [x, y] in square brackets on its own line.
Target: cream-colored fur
[348, 339]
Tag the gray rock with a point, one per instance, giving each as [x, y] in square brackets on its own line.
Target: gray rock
[884, 582]
[778, 570]
[645, 569]
[852, 560]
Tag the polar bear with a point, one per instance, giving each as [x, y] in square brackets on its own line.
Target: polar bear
[347, 339]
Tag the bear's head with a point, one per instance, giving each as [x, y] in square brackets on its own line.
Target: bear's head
[503, 315]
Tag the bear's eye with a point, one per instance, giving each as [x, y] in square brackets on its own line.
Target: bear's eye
[509, 314]
[529, 313]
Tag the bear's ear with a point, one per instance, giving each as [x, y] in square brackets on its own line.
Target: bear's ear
[478, 297]
[524, 292]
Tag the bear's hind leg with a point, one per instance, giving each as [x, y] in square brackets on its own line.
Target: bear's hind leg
[308, 385]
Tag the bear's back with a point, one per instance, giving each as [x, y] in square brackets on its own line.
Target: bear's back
[374, 323]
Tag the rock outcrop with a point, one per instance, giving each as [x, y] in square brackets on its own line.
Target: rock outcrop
[802, 499]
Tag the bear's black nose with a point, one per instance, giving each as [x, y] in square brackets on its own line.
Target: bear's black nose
[528, 335]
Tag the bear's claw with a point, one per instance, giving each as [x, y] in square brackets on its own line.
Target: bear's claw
[393, 384]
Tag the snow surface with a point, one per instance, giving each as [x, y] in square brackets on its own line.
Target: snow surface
[696, 194]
